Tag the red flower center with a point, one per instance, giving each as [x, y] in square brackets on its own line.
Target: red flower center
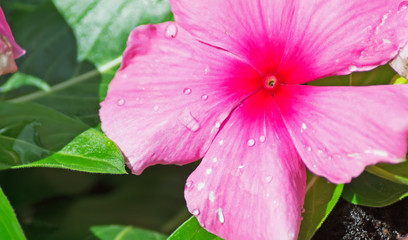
[270, 81]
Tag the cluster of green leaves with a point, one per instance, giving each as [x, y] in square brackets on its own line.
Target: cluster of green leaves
[49, 118]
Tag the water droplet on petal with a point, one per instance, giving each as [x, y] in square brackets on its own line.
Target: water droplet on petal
[204, 97]
[156, 108]
[200, 186]
[352, 68]
[221, 142]
[291, 235]
[304, 127]
[309, 149]
[207, 70]
[251, 142]
[121, 102]
[217, 124]
[262, 139]
[187, 91]
[268, 179]
[189, 121]
[275, 202]
[196, 212]
[211, 196]
[208, 171]
[171, 31]
[214, 159]
[188, 184]
[220, 216]
[403, 5]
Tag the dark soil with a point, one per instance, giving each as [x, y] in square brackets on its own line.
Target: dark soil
[351, 222]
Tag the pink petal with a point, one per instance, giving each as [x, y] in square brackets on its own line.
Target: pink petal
[300, 40]
[171, 95]
[338, 131]
[251, 183]
[9, 50]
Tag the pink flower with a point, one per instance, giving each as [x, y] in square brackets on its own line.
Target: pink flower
[222, 83]
[9, 50]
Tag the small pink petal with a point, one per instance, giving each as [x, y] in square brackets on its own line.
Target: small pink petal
[338, 131]
[171, 96]
[9, 50]
[300, 40]
[247, 191]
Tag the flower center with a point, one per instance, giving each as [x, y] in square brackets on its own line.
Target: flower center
[270, 81]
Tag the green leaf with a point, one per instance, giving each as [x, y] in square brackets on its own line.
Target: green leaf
[32, 135]
[321, 197]
[19, 79]
[191, 230]
[102, 27]
[378, 76]
[115, 232]
[397, 173]
[90, 152]
[9, 226]
[30, 132]
[51, 57]
[373, 191]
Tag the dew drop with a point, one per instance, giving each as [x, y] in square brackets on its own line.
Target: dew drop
[241, 166]
[403, 5]
[196, 212]
[171, 31]
[217, 124]
[211, 196]
[262, 139]
[156, 108]
[291, 235]
[200, 186]
[188, 184]
[251, 142]
[121, 102]
[189, 121]
[268, 179]
[221, 142]
[187, 91]
[275, 202]
[309, 149]
[387, 41]
[352, 68]
[207, 70]
[204, 97]
[214, 159]
[208, 171]
[220, 216]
